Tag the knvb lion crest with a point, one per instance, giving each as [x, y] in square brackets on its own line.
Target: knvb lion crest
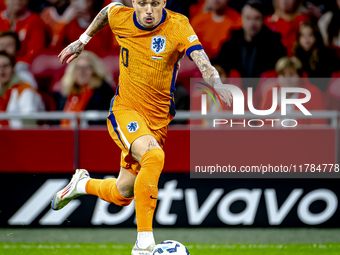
[158, 44]
[132, 126]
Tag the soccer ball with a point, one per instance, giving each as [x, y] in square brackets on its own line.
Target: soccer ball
[170, 247]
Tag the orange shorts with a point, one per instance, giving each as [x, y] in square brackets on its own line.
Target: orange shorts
[125, 126]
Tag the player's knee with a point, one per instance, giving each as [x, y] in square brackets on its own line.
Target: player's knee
[158, 155]
[122, 195]
[126, 190]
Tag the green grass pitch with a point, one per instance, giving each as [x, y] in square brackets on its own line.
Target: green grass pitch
[119, 241]
[194, 249]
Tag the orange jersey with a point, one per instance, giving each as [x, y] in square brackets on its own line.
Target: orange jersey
[149, 63]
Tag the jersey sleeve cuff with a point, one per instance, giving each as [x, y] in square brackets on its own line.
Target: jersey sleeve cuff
[193, 48]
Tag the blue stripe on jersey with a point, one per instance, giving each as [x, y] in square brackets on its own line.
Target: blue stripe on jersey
[115, 127]
[117, 90]
[193, 48]
[113, 99]
[173, 81]
[148, 29]
[172, 109]
[111, 105]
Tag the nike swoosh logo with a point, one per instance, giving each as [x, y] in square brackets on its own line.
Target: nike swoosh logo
[153, 197]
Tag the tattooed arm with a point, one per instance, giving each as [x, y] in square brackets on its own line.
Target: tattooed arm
[210, 74]
[75, 48]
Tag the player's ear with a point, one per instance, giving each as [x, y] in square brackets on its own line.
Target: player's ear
[164, 3]
[134, 3]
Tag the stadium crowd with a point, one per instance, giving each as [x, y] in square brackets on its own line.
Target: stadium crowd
[267, 40]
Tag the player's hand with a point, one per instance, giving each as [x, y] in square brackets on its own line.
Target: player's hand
[74, 49]
[225, 95]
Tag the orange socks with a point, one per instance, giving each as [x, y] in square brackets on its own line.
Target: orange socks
[146, 188]
[107, 190]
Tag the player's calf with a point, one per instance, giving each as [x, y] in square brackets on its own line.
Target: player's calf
[107, 190]
[146, 191]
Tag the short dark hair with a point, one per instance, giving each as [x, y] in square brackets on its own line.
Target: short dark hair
[14, 36]
[256, 4]
[11, 58]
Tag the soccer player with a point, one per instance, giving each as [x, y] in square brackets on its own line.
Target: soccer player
[152, 42]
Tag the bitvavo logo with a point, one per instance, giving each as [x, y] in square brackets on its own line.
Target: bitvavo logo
[238, 105]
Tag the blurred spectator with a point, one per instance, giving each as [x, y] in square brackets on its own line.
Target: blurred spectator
[180, 6]
[329, 25]
[85, 86]
[202, 6]
[252, 49]
[286, 20]
[312, 7]
[289, 71]
[16, 96]
[239, 4]
[18, 18]
[315, 8]
[213, 28]
[317, 60]
[10, 43]
[101, 43]
[56, 16]
[2, 5]
[333, 93]
[125, 2]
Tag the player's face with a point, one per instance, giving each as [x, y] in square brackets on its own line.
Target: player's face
[83, 72]
[149, 12]
[7, 44]
[6, 70]
[252, 21]
[307, 38]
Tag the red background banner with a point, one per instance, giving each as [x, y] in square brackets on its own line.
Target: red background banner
[60, 151]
